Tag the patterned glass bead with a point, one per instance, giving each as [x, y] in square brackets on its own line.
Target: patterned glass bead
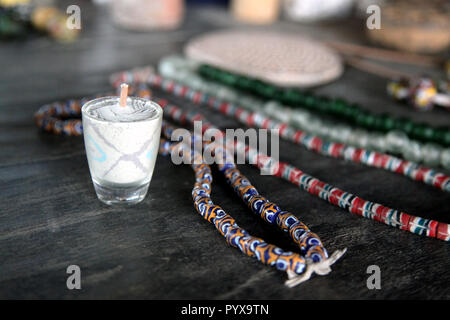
[243, 83]
[446, 137]
[323, 104]
[419, 131]
[353, 138]
[361, 118]
[351, 112]
[369, 121]
[431, 154]
[289, 96]
[404, 125]
[337, 106]
[310, 101]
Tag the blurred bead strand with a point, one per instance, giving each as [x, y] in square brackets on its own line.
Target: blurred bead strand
[311, 142]
[395, 141]
[336, 107]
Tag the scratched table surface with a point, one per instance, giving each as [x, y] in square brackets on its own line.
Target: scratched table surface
[161, 248]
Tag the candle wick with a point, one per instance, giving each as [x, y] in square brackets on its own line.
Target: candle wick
[123, 94]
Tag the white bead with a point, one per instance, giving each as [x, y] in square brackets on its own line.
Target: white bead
[445, 158]
[396, 140]
[431, 154]
[377, 142]
[413, 152]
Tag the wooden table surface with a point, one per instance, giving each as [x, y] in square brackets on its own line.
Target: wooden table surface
[161, 248]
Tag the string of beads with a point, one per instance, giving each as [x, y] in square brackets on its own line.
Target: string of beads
[314, 186]
[182, 70]
[311, 142]
[308, 242]
[336, 107]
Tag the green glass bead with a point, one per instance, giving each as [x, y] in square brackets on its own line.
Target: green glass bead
[404, 125]
[438, 135]
[446, 137]
[388, 123]
[419, 131]
[351, 112]
[360, 119]
[310, 101]
[203, 71]
[378, 123]
[300, 97]
[322, 104]
[213, 74]
[337, 106]
[369, 121]
[270, 91]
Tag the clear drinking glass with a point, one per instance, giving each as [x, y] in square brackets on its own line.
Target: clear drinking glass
[121, 148]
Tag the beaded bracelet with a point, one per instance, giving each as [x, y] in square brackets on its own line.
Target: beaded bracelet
[50, 117]
[337, 107]
[329, 193]
[311, 142]
[299, 268]
[183, 70]
[64, 117]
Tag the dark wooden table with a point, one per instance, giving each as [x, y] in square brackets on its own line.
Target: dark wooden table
[50, 217]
